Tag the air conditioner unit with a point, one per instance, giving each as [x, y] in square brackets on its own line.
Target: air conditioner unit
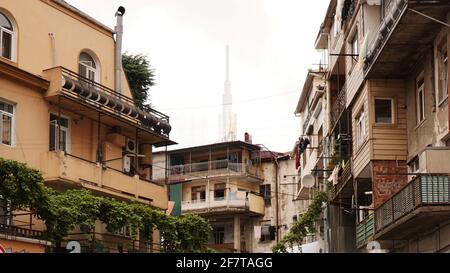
[131, 146]
[126, 164]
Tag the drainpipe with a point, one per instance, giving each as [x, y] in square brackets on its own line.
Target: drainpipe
[53, 43]
[119, 34]
[277, 166]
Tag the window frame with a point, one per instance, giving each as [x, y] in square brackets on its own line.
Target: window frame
[354, 44]
[442, 96]
[13, 34]
[67, 130]
[219, 235]
[219, 187]
[89, 69]
[198, 191]
[361, 127]
[13, 124]
[392, 110]
[266, 191]
[420, 99]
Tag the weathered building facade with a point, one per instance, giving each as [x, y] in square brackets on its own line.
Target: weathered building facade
[67, 110]
[388, 124]
[246, 192]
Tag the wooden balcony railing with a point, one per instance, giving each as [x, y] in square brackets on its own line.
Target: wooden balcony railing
[424, 190]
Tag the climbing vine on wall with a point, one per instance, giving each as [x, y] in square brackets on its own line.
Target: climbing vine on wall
[304, 226]
[62, 212]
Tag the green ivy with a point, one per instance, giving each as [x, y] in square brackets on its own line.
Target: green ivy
[62, 212]
[304, 226]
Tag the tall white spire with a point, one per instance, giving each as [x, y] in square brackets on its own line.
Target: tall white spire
[227, 118]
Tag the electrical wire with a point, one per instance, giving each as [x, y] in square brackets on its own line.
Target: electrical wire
[229, 104]
[221, 181]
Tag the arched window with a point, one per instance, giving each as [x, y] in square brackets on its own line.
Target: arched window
[6, 37]
[88, 67]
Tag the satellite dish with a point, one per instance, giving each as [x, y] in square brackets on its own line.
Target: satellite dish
[308, 181]
[375, 247]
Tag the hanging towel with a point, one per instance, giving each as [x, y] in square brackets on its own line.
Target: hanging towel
[334, 176]
[257, 232]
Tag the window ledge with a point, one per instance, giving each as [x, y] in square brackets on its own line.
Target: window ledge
[420, 124]
[9, 61]
[385, 125]
[7, 146]
[442, 102]
[360, 147]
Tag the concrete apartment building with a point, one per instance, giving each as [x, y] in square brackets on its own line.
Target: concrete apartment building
[67, 110]
[310, 149]
[387, 95]
[242, 189]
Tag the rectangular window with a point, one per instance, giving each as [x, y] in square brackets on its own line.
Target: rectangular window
[420, 99]
[335, 28]
[355, 48]
[384, 110]
[219, 235]
[266, 192]
[6, 44]
[361, 131]
[320, 141]
[59, 132]
[268, 233]
[219, 192]
[6, 123]
[443, 71]
[198, 194]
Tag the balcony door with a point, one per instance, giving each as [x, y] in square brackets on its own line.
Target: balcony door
[59, 134]
[198, 194]
[88, 67]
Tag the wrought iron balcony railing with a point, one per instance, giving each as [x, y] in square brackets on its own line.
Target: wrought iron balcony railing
[338, 106]
[101, 97]
[365, 231]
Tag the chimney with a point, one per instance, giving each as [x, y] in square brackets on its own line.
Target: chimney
[248, 138]
[119, 34]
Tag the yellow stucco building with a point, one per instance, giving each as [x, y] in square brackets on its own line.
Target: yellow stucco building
[67, 110]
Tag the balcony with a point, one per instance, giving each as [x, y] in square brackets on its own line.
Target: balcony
[219, 168]
[365, 231]
[338, 107]
[343, 186]
[402, 37]
[61, 169]
[70, 90]
[422, 204]
[234, 202]
[435, 160]
[20, 232]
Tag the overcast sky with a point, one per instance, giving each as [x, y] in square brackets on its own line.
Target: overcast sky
[272, 47]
